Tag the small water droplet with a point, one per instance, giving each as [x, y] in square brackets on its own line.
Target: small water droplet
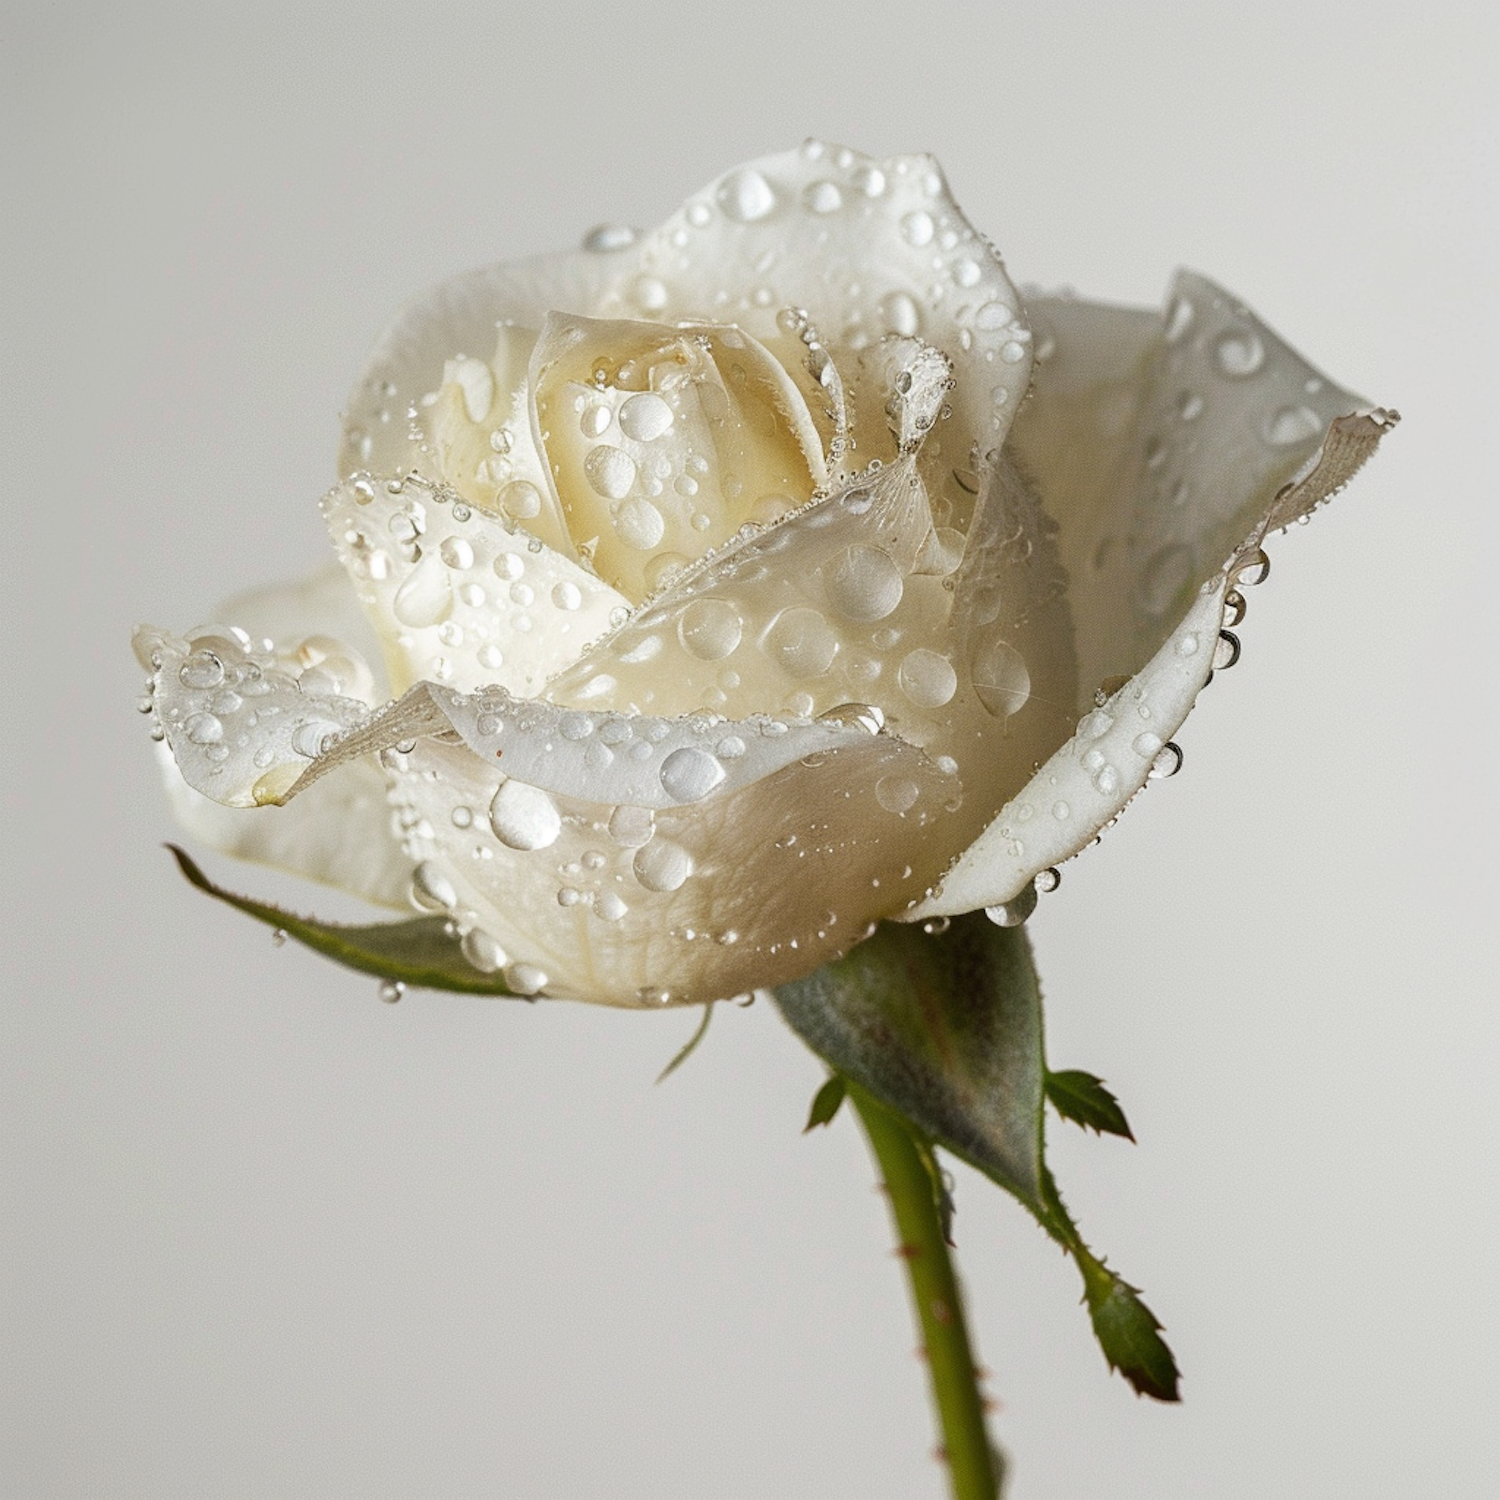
[278, 937]
[1292, 424]
[1226, 651]
[611, 472]
[1002, 682]
[896, 794]
[822, 197]
[1234, 607]
[1048, 880]
[522, 500]
[431, 890]
[745, 196]
[391, 990]
[482, 951]
[1239, 353]
[1014, 912]
[1168, 762]
[609, 906]
[203, 729]
[525, 979]
[710, 629]
[917, 228]
[606, 237]
[689, 774]
[662, 865]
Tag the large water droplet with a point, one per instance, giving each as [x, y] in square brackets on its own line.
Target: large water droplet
[1168, 762]
[1226, 651]
[431, 890]
[865, 585]
[522, 499]
[745, 196]
[927, 678]
[524, 817]
[630, 827]
[203, 729]
[1239, 353]
[640, 524]
[482, 951]
[426, 598]
[690, 774]
[1014, 912]
[802, 642]
[710, 629]
[1002, 682]
[457, 553]
[610, 471]
[644, 417]
[201, 670]
[896, 794]
[662, 865]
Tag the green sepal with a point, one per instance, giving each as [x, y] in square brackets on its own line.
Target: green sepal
[945, 1029]
[422, 952]
[826, 1103]
[690, 1046]
[1083, 1099]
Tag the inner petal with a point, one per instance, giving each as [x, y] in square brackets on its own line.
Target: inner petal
[663, 441]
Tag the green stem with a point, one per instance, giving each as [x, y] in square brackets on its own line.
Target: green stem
[909, 1171]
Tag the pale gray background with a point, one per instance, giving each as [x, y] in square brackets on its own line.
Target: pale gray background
[265, 1237]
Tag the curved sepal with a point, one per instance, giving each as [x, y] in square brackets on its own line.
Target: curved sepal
[422, 952]
[944, 1027]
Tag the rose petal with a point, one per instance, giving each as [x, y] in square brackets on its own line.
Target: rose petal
[458, 317]
[663, 440]
[625, 905]
[1159, 443]
[456, 594]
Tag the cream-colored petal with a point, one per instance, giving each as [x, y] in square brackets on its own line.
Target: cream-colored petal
[622, 905]
[459, 318]
[340, 834]
[242, 720]
[867, 248]
[662, 441]
[480, 439]
[1159, 443]
[458, 595]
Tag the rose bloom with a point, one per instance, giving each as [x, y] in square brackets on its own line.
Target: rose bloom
[745, 582]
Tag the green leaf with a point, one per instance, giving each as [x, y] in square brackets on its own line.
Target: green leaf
[945, 1028]
[826, 1103]
[420, 952]
[1129, 1333]
[1083, 1099]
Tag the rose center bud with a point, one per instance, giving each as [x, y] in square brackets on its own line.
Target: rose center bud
[663, 441]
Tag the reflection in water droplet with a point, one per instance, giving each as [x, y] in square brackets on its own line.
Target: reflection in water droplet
[1234, 607]
[927, 678]
[865, 585]
[710, 629]
[1239, 353]
[690, 774]
[524, 817]
[662, 865]
[1168, 762]
[802, 642]
[1001, 679]
[431, 890]
[745, 196]
[1015, 911]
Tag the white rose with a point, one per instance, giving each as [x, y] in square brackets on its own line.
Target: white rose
[748, 581]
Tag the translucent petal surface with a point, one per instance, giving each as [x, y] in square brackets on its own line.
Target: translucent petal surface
[662, 440]
[458, 595]
[1159, 443]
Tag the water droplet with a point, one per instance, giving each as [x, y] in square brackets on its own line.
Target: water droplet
[609, 906]
[1107, 781]
[690, 774]
[525, 979]
[594, 420]
[521, 499]
[822, 197]
[1002, 682]
[1014, 912]
[605, 237]
[896, 794]
[1179, 318]
[566, 595]
[426, 598]
[610, 471]
[639, 524]
[917, 228]
[927, 678]
[864, 716]
[1048, 880]
[937, 926]
[1292, 424]
[1254, 571]
[315, 737]
[802, 642]
[630, 827]
[1061, 811]
[1226, 651]
[278, 937]
[1239, 353]
[391, 990]
[662, 865]
[650, 294]
[1234, 607]
[710, 629]
[644, 417]
[1146, 745]
[203, 729]
[870, 181]
[524, 817]
[745, 196]
[482, 951]
[457, 553]
[1168, 762]
[1188, 643]
[431, 890]
[900, 314]
[201, 670]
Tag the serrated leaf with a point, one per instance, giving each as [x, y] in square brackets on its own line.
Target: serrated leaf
[826, 1103]
[1083, 1099]
[1129, 1333]
[419, 952]
[945, 1028]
